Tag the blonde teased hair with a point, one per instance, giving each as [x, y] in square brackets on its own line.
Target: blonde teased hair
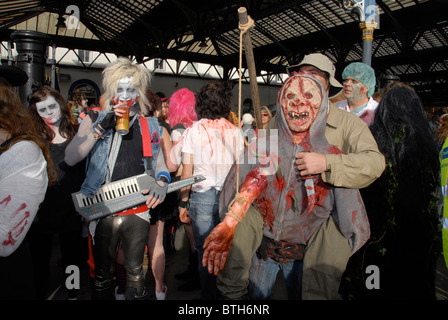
[141, 79]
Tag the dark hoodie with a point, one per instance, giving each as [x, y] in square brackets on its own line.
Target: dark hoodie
[290, 213]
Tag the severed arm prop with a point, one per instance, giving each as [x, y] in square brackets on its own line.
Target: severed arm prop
[217, 244]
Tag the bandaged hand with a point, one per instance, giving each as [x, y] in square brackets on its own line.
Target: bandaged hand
[156, 191]
[217, 246]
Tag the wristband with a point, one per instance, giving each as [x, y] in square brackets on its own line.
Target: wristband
[184, 204]
[164, 174]
[99, 129]
[97, 135]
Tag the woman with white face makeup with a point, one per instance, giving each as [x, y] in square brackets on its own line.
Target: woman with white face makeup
[55, 126]
[112, 157]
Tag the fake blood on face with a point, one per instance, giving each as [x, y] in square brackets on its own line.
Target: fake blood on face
[128, 103]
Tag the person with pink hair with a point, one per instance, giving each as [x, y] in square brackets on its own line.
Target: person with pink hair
[181, 115]
[182, 108]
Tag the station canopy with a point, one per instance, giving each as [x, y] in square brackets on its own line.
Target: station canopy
[410, 42]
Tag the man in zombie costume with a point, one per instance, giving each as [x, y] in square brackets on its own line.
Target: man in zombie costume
[286, 212]
[112, 157]
[359, 86]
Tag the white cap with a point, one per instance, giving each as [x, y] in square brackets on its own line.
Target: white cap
[247, 118]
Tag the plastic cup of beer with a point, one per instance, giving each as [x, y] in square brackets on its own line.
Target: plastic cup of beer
[123, 122]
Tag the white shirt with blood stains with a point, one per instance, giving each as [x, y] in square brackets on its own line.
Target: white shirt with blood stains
[215, 145]
[23, 183]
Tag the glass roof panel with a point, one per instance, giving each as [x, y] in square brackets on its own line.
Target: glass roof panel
[46, 23]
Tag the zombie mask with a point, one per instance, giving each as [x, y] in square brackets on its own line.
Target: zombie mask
[49, 110]
[300, 101]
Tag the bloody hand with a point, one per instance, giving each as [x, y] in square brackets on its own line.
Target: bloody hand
[285, 252]
[217, 246]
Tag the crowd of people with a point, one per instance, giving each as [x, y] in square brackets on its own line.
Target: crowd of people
[318, 191]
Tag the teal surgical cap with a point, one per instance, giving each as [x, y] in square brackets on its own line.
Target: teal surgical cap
[363, 73]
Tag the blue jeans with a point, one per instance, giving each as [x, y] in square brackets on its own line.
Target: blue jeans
[204, 207]
[263, 274]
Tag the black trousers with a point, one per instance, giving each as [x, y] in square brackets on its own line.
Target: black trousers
[132, 232]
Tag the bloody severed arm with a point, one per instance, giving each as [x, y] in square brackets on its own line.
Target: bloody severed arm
[217, 244]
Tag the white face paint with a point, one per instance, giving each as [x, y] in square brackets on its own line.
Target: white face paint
[126, 91]
[49, 110]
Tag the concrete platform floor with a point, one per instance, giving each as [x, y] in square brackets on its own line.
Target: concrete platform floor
[177, 262]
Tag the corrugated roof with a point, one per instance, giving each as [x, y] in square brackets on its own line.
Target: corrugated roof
[412, 37]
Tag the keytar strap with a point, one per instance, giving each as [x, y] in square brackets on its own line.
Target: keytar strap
[146, 138]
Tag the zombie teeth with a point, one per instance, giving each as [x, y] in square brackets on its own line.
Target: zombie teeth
[298, 116]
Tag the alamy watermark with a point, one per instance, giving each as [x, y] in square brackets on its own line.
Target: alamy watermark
[73, 280]
[373, 280]
[73, 20]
